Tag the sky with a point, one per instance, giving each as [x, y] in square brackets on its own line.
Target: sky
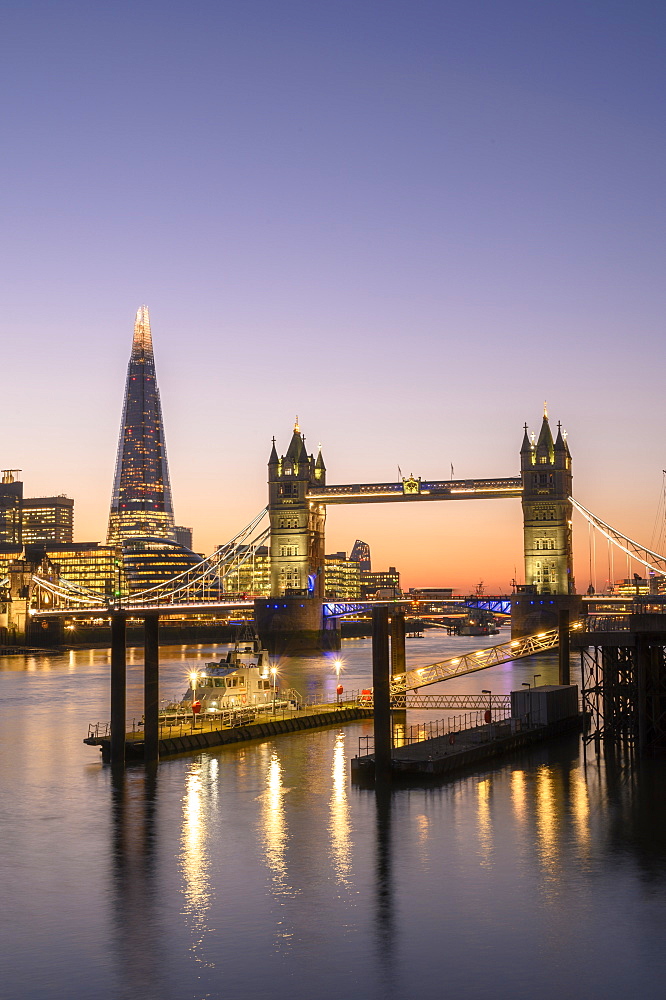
[408, 223]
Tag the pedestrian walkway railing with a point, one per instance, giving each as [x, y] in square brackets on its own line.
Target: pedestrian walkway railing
[180, 722]
[476, 724]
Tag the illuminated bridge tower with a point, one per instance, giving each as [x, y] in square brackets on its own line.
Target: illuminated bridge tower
[293, 617]
[141, 502]
[545, 467]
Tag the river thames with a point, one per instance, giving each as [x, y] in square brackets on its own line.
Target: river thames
[258, 871]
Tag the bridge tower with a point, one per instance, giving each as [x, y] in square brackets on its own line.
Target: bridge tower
[297, 526]
[292, 618]
[545, 467]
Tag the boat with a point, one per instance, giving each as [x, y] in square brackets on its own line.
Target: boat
[241, 684]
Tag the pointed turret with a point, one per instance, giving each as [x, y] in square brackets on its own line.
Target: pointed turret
[303, 458]
[545, 446]
[559, 440]
[320, 468]
[273, 458]
[526, 446]
[294, 449]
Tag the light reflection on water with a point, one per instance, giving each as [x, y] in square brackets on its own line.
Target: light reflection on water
[273, 823]
[339, 825]
[259, 871]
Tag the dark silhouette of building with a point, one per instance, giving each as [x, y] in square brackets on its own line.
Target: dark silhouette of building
[11, 501]
[141, 501]
[361, 554]
[184, 536]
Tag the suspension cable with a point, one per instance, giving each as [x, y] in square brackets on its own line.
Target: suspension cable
[634, 550]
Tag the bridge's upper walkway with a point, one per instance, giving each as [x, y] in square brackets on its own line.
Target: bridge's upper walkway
[415, 489]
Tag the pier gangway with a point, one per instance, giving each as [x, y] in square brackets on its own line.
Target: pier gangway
[480, 659]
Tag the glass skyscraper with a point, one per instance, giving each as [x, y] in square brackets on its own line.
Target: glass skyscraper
[141, 503]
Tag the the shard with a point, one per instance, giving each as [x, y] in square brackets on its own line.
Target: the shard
[141, 501]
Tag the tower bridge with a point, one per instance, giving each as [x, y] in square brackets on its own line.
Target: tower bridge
[298, 496]
[297, 615]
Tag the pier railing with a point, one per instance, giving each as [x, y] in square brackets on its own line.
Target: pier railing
[178, 723]
[476, 726]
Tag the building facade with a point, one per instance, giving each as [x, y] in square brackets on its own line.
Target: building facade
[361, 554]
[380, 585]
[141, 501]
[47, 519]
[342, 577]
[253, 577]
[88, 565]
[183, 536]
[11, 501]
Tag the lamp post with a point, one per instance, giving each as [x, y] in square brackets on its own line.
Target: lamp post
[338, 689]
[535, 677]
[489, 713]
[274, 675]
[526, 684]
[194, 677]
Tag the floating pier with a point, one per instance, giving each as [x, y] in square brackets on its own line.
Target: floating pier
[190, 739]
[536, 715]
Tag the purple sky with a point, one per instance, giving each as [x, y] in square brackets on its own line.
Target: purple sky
[408, 222]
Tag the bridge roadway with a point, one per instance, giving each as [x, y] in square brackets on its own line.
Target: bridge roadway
[139, 610]
[331, 609]
[414, 489]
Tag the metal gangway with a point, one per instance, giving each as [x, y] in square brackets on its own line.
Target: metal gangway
[480, 659]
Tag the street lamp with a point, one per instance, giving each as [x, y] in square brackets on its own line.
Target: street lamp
[489, 713]
[338, 687]
[274, 671]
[535, 677]
[526, 684]
[194, 677]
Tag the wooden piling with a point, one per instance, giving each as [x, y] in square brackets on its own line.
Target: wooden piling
[564, 648]
[118, 688]
[381, 692]
[151, 729]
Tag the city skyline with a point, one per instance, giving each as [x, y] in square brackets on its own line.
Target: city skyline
[409, 226]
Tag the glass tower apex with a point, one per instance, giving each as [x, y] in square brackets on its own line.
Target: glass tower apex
[141, 501]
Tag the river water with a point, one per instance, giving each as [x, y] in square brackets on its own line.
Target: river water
[259, 871]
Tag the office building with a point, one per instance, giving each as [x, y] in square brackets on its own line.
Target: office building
[47, 519]
[141, 500]
[148, 562]
[183, 536]
[11, 499]
[380, 585]
[88, 565]
[361, 554]
[253, 577]
[342, 577]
